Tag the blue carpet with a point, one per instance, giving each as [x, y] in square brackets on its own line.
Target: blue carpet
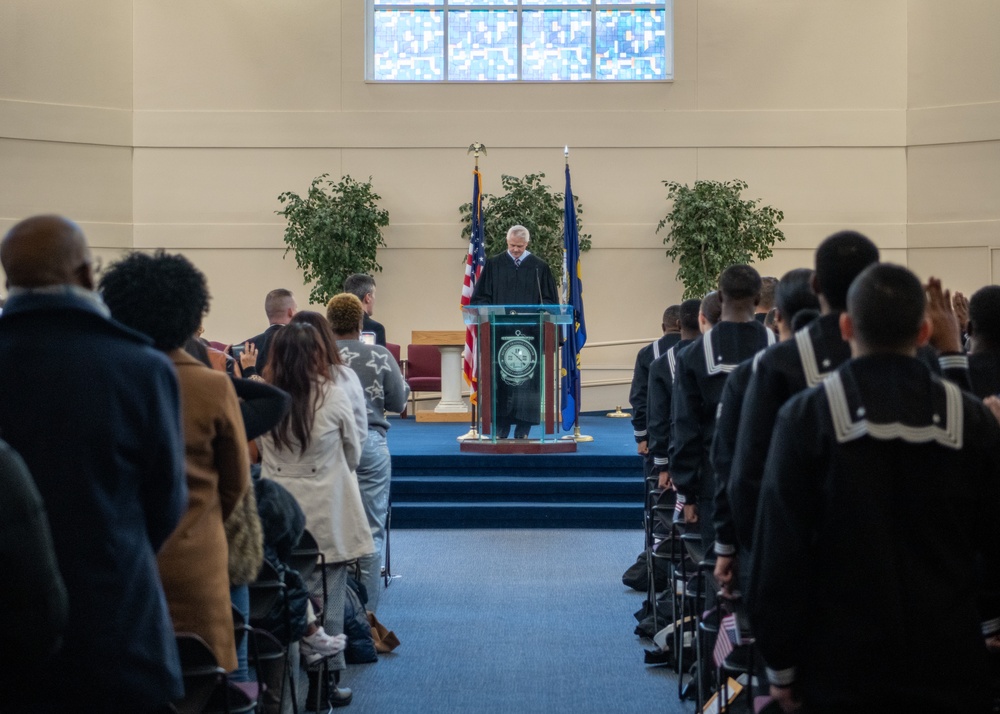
[408, 438]
[435, 485]
[513, 621]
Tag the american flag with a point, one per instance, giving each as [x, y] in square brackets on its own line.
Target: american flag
[726, 640]
[473, 268]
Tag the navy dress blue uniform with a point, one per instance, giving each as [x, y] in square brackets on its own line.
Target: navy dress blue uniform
[94, 411]
[878, 507]
[659, 396]
[782, 372]
[702, 369]
[727, 426]
[638, 392]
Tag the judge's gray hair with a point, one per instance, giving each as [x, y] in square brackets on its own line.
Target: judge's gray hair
[519, 231]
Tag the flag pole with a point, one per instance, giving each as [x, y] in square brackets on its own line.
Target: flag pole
[473, 433]
[570, 201]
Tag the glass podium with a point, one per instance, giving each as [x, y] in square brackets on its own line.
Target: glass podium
[518, 367]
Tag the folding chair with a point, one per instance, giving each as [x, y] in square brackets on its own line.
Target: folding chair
[266, 592]
[207, 689]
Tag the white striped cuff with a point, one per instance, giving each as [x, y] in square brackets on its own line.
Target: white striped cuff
[640, 434]
[954, 361]
[680, 499]
[724, 549]
[781, 677]
[991, 627]
[660, 460]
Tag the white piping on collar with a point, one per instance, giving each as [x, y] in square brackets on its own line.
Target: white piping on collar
[710, 363]
[807, 356]
[948, 435]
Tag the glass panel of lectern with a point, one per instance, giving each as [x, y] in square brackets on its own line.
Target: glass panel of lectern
[518, 367]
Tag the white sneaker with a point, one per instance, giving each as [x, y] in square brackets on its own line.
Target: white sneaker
[318, 645]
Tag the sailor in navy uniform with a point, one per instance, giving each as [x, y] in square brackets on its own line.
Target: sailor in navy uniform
[859, 601]
[702, 368]
[661, 382]
[637, 395]
[794, 293]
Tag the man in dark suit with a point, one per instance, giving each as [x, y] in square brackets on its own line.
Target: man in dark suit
[280, 307]
[363, 287]
[102, 440]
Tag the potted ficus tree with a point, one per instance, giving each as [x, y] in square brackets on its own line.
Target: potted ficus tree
[710, 227]
[532, 204]
[335, 230]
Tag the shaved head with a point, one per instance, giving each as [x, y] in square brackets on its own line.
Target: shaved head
[46, 250]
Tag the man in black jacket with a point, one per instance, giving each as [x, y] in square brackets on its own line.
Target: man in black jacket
[363, 287]
[280, 307]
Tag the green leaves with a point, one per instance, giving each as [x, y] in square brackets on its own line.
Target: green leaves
[711, 227]
[532, 204]
[335, 231]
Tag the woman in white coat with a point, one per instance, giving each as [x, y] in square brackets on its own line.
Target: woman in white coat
[313, 452]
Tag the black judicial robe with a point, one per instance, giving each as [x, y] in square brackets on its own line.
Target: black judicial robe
[702, 369]
[637, 396]
[504, 283]
[877, 507]
[658, 399]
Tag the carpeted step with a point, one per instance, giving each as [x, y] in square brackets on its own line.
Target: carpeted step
[516, 514]
[548, 488]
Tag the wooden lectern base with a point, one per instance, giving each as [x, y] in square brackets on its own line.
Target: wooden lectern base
[431, 415]
[518, 446]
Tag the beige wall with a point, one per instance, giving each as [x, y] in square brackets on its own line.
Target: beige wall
[953, 133]
[178, 124]
[66, 114]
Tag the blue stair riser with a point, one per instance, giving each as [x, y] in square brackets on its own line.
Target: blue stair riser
[547, 489]
[515, 515]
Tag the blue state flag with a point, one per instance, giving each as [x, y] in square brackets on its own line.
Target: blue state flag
[576, 334]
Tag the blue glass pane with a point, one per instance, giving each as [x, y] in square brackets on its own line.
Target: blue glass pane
[631, 44]
[482, 2]
[556, 2]
[482, 45]
[555, 45]
[409, 45]
[630, 2]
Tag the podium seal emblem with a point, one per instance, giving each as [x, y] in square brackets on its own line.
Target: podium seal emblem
[517, 359]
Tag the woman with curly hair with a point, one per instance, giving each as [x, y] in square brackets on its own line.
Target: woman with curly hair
[166, 297]
[313, 453]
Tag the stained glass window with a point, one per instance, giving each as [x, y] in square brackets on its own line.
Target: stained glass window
[520, 40]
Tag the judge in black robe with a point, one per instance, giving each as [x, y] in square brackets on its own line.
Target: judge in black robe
[516, 277]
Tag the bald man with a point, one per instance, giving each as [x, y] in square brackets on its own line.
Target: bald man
[93, 410]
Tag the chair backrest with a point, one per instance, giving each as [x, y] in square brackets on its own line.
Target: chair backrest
[394, 349]
[306, 555]
[264, 592]
[200, 671]
[423, 361]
